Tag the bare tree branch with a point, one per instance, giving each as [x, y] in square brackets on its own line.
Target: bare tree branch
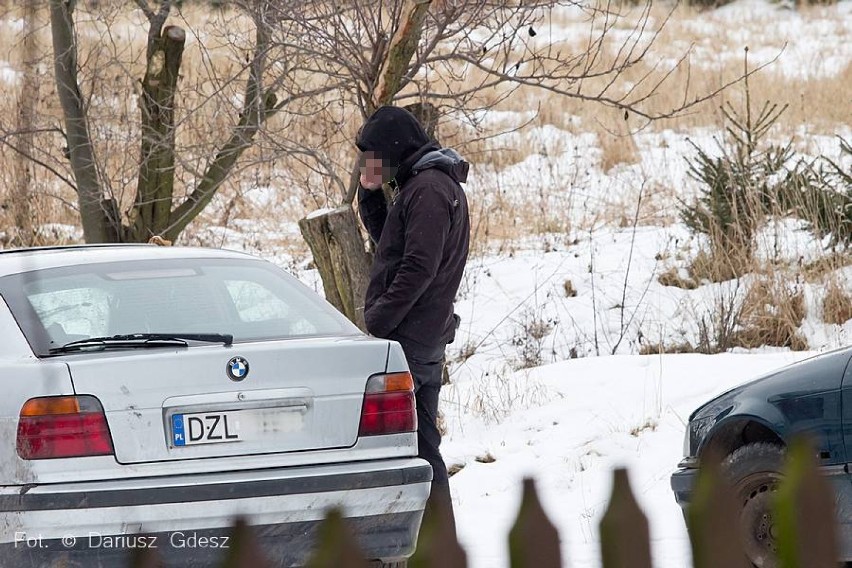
[146, 9]
[29, 156]
[94, 218]
[257, 107]
[317, 67]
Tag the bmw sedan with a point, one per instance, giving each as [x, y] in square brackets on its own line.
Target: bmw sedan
[753, 424]
[153, 394]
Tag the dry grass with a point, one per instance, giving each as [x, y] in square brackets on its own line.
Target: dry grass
[660, 348]
[813, 99]
[485, 458]
[745, 313]
[811, 3]
[617, 147]
[673, 277]
[502, 391]
[454, 468]
[823, 268]
[837, 304]
[441, 423]
[649, 425]
[531, 330]
[719, 266]
[771, 314]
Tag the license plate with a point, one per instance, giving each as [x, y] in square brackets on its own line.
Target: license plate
[221, 426]
[205, 428]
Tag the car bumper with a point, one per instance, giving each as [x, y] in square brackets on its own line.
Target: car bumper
[683, 483]
[188, 518]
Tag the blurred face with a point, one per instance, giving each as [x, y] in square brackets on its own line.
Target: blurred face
[374, 171]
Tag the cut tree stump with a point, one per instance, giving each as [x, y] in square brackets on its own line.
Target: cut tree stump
[340, 257]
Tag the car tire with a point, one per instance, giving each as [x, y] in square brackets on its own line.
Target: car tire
[755, 471]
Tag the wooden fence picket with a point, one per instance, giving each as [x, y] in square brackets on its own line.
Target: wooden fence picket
[437, 543]
[243, 549]
[804, 512]
[713, 520]
[336, 547]
[625, 540]
[533, 540]
[145, 558]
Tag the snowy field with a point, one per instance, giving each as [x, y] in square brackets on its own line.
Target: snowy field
[569, 422]
[569, 425]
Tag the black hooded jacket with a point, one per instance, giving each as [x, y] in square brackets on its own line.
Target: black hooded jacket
[421, 238]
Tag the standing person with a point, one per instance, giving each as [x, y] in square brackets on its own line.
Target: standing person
[421, 239]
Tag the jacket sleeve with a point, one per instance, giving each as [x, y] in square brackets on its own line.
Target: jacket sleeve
[428, 218]
[373, 210]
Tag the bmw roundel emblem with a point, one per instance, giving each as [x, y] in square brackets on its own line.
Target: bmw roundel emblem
[237, 369]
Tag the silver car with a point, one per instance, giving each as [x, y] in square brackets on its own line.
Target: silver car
[150, 395]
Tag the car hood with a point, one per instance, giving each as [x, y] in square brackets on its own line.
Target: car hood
[817, 374]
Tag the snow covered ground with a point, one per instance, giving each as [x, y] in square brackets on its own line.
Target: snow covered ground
[568, 425]
[519, 407]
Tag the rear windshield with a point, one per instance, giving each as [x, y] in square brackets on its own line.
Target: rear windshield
[252, 300]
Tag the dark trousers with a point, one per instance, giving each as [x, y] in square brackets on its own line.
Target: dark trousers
[427, 367]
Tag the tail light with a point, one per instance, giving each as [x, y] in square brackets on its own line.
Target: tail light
[388, 405]
[63, 427]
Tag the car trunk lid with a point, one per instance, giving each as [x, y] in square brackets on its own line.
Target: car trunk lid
[173, 403]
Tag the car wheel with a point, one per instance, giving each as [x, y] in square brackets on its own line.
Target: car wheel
[755, 471]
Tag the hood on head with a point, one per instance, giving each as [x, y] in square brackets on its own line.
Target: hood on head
[394, 133]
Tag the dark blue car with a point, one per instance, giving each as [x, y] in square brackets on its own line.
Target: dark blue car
[752, 425]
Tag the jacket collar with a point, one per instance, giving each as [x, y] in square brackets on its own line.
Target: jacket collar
[405, 167]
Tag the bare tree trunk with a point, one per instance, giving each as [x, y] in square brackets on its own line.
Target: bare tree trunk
[340, 257]
[89, 193]
[22, 205]
[157, 162]
[402, 47]
[427, 114]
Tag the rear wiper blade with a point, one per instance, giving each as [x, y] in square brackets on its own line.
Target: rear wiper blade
[225, 338]
[144, 340]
